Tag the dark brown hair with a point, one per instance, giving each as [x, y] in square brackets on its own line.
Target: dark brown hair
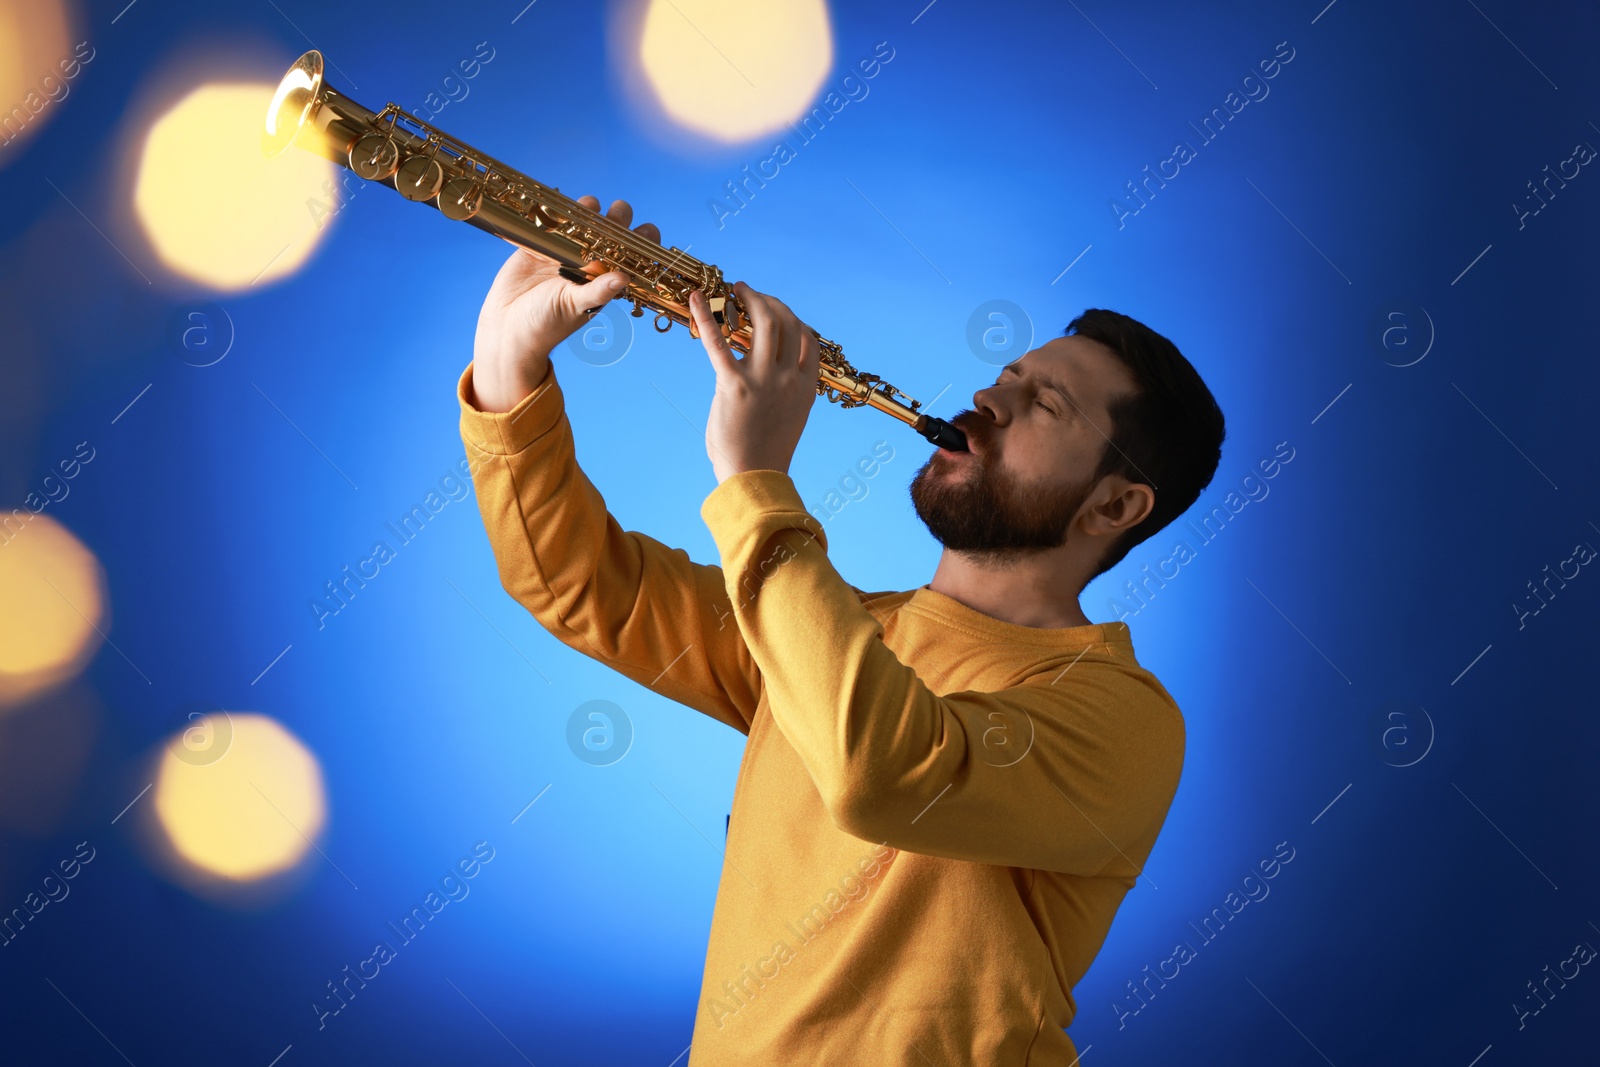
[1167, 434]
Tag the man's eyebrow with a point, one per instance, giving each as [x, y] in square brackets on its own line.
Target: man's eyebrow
[1045, 382]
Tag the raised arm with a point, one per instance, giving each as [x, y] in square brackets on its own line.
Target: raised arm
[893, 761]
[620, 597]
[1100, 747]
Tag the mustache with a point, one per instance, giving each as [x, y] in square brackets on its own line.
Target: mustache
[975, 427]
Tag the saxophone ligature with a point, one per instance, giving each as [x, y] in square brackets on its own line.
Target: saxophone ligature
[426, 165]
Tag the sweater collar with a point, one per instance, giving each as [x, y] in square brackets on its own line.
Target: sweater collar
[930, 602]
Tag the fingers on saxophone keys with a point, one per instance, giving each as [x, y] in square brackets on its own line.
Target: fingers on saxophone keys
[700, 308]
[620, 212]
[590, 202]
[810, 350]
[763, 325]
[648, 230]
[784, 324]
[790, 321]
[710, 335]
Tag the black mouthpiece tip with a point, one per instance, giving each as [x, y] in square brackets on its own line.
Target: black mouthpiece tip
[943, 434]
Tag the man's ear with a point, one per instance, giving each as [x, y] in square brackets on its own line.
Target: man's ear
[1117, 506]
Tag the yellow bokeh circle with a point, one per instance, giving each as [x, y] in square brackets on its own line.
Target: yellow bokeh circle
[734, 70]
[214, 208]
[250, 806]
[52, 605]
[36, 55]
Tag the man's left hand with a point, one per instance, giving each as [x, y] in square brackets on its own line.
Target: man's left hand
[763, 400]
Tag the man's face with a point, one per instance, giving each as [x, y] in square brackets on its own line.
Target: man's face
[1033, 451]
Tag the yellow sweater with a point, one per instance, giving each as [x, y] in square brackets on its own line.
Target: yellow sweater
[937, 814]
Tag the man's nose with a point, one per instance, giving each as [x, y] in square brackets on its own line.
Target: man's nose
[988, 403]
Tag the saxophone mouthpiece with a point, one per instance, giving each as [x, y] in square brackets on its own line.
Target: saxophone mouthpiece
[942, 433]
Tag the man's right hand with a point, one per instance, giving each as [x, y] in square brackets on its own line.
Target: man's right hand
[529, 310]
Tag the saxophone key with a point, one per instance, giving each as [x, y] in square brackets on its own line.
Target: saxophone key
[375, 157]
[419, 178]
[460, 199]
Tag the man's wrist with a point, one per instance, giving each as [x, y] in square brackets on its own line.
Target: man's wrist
[509, 432]
[497, 389]
[725, 471]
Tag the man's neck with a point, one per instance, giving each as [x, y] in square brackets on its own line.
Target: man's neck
[1037, 590]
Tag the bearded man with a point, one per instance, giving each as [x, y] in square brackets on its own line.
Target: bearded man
[946, 791]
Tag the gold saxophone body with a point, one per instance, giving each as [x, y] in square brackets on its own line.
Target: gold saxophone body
[426, 165]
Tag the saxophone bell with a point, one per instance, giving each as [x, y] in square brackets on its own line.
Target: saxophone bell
[299, 92]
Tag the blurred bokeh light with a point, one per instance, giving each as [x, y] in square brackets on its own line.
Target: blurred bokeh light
[239, 796]
[734, 70]
[215, 210]
[35, 40]
[52, 605]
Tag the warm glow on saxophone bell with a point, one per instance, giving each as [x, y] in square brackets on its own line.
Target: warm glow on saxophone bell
[424, 164]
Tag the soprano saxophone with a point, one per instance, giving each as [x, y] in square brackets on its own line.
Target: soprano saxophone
[426, 165]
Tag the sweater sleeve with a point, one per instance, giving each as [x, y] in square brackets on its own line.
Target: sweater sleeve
[1072, 774]
[619, 597]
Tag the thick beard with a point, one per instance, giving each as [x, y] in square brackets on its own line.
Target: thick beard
[986, 514]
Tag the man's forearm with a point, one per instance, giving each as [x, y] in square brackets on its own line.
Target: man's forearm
[622, 598]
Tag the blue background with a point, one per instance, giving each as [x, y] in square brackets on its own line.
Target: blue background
[1386, 557]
